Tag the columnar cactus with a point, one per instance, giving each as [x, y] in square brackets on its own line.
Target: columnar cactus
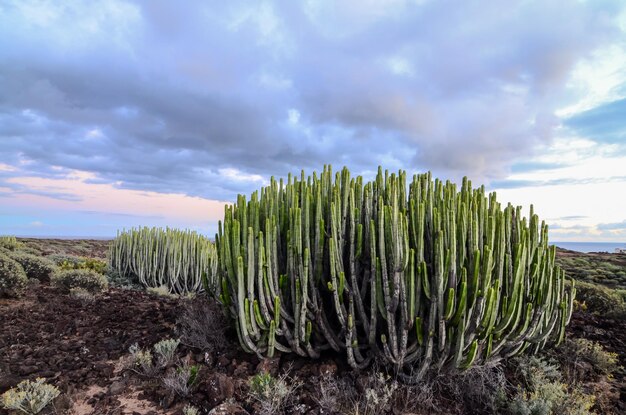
[429, 277]
[183, 261]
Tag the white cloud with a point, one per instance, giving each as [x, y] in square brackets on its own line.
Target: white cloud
[239, 176]
[400, 66]
[597, 79]
[293, 116]
[94, 133]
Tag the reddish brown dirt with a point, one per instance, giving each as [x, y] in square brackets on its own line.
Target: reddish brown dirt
[78, 347]
[48, 334]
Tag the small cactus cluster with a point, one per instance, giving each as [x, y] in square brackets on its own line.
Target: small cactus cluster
[182, 261]
[426, 277]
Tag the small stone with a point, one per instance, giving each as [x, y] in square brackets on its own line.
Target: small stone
[27, 370]
[269, 365]
[223, 361]
[219, 388]
[8, 381]
[328, 368]
[117, 387]
[242, 369]
[228, 409]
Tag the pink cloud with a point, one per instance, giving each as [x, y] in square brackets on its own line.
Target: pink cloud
[106, 198]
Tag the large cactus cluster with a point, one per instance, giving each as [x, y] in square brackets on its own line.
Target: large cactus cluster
[156, 257]
[424, 277]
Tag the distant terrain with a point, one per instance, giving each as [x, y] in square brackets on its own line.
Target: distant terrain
[92, 248]
[607, 269]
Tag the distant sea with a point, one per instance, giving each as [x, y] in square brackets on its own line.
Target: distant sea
[591, 246]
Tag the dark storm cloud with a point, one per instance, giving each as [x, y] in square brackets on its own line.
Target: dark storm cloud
[159, 97]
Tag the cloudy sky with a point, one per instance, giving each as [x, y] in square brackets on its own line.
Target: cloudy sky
[120, 113]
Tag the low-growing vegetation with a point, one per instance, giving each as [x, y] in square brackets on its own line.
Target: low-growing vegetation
[39, 268]
[67, 262]
[29, 397]
[605, 269]
[182, 379]
[542, 392]
[141, 361]
[202, 325]
[581, 360]
[271, 393]
[13, 279]
[602, 300]
[82, 295]
[161, 291]
[8, 242]
[165, 350]
[86, 279]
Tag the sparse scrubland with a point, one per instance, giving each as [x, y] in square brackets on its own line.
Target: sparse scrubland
[320, 295]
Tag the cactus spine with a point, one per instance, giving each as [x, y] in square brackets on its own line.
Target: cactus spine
[432, 277]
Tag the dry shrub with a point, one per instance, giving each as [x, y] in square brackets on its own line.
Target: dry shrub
[583, 359]
[82, 295]
[541, 391]
[29, 397]
[182, 379]
[202, 325]
[273, 395]
[377, 394]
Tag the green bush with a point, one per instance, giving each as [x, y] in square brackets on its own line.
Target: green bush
[13, 279]
[9, 242]
[544, 393]
[29, 250]
[39, 268]
[80, 278]
[581, 359]
[59, 259]
[600, 299]
[75, 262]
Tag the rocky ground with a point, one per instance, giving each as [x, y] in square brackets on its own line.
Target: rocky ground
[82, 347]
[611, 334]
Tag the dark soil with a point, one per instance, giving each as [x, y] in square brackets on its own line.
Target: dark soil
[49, 334]
[80, 348]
